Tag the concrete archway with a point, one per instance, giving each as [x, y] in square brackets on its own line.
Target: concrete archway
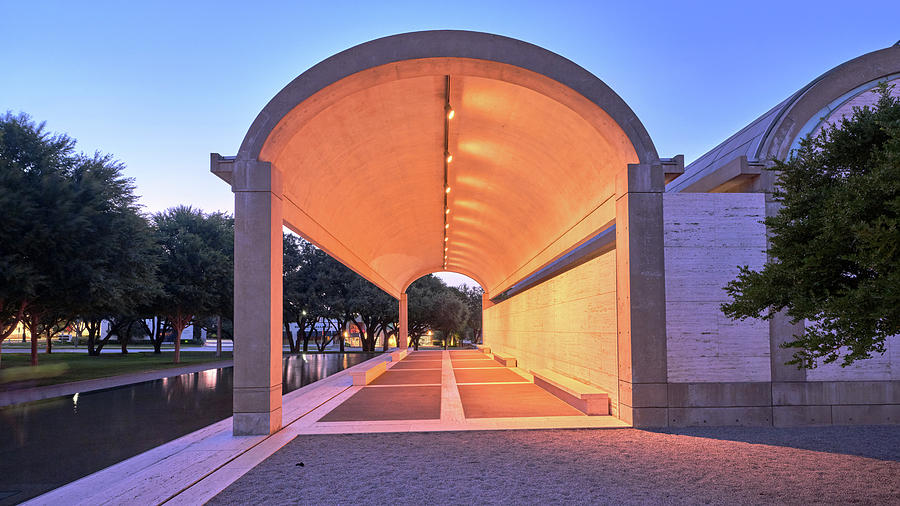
[351, 155]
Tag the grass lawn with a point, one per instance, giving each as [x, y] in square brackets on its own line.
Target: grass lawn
[56, 368]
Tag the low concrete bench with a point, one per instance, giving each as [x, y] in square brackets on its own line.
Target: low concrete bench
[505, 361]
[363, 378]
[483, 349]
[584, 397]
[398, 355]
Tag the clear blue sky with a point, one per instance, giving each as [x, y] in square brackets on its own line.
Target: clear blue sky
[160, 85]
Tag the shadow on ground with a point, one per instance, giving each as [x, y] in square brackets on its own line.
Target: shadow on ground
[873, 441]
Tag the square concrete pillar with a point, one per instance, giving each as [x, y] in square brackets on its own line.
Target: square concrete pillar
[641, 296]
[403, 335]
[257, 298]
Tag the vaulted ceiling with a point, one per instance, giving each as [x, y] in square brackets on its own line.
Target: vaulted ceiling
[532, 175]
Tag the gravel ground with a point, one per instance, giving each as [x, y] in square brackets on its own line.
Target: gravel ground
[727, 465]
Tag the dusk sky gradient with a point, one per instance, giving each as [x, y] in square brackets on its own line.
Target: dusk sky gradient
[160, 85]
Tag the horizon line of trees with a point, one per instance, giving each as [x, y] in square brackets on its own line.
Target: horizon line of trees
[320, 290]
[75, 248]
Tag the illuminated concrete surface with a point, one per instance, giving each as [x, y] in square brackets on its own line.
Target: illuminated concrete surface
[546, 158]
[467, 387]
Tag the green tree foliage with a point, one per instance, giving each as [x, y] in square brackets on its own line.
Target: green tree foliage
[375, 312]
[835, 243]
[422, 305]
[309, 278]
[196, 258]
[473, 296]
[451, 315]
[432, 305]
[319, 289]
[72, 240]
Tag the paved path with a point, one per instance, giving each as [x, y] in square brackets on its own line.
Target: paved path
[47, 392]
[446, 391]
[726, 465]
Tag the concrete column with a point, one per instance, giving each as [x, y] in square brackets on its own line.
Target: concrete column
[641, 296]
[257, 298]
[403, 335]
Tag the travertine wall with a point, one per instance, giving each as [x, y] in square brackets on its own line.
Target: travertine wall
[707, 236]
[879, 367]
[567, 324]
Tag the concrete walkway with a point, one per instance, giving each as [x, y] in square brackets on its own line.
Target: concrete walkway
[445, 391]
[194, 468]
[47, 392]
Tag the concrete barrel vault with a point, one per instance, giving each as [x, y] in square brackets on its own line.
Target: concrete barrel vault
[546, 157]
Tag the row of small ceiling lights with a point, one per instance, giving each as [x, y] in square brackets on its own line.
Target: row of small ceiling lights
[448, 157]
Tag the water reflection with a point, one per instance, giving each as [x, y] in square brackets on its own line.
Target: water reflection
[45, 444]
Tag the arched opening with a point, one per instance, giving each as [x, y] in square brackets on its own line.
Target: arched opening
[444, 310]
[361, 156]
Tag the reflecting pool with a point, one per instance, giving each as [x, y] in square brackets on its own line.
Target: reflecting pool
[48, 443]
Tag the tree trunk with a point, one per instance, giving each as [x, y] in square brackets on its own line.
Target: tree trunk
[363, 339]
[34, 337]
[92, 336]
[179, 323]
[286, 334]
[124, 340]
[387, 338]
[160, 330]
[178, 344]
[321, 345]
[294, 341]
[49, 340]
[97, 346]
[4, 333]
[306, 337]
[219, 336]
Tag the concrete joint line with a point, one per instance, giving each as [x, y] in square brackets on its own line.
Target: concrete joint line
[451, 403]
[254, 190]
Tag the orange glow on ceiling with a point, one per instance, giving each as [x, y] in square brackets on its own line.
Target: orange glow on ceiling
[362, 163]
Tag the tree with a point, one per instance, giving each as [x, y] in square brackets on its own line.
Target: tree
[303, 293]
[71, 239]
[196, 251]
[835, 243]
[375, 310]
[123, 279]
[473, 296]
[337, 282]
[422, 305]
[451, 314]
